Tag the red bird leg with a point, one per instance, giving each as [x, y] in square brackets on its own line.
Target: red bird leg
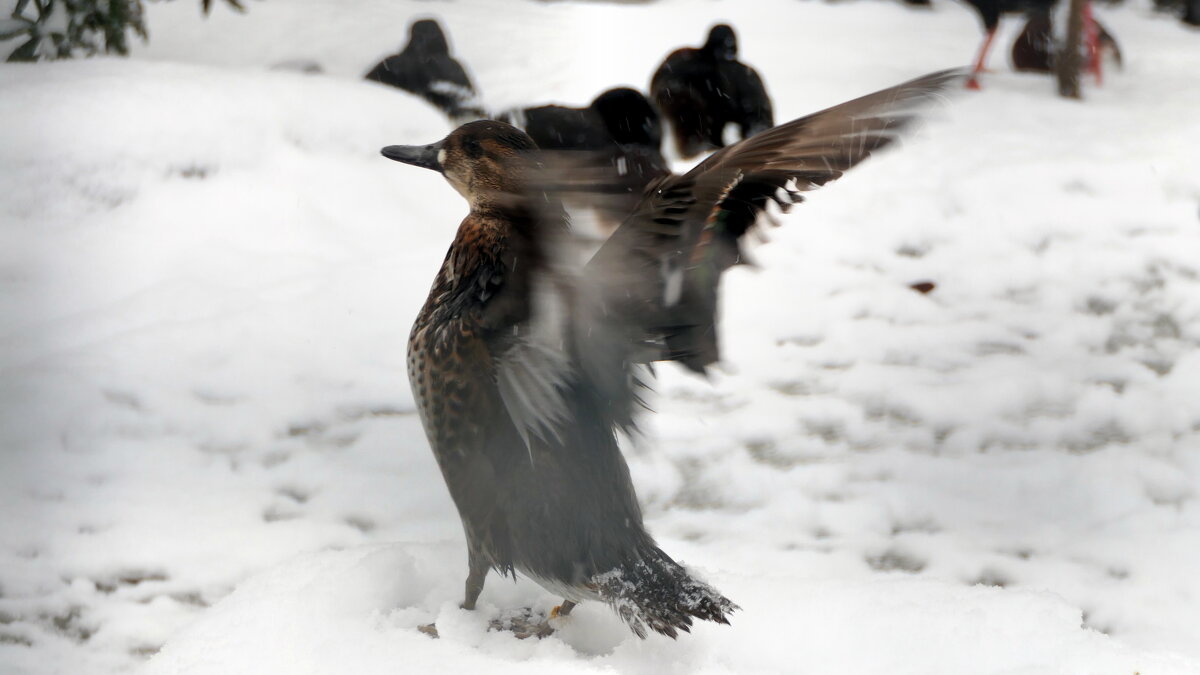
[973, 80]
[1092, 38]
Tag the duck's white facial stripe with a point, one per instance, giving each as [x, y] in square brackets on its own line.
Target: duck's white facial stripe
[442, 157]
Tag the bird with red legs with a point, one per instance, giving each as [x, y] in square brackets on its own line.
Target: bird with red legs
[990, 12]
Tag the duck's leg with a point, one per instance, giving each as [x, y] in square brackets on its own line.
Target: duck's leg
[476, 574]
[973, 80]
[526, 627]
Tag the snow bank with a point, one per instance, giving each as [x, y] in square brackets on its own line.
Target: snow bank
[358, 610]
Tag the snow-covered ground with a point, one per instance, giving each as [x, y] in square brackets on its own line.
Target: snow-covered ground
[207, 274]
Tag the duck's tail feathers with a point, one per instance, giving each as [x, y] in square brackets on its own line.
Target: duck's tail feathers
[657, 593]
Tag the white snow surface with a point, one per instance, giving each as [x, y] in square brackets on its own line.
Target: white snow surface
[207, 273]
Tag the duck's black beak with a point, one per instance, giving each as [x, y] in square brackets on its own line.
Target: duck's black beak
[425, 156]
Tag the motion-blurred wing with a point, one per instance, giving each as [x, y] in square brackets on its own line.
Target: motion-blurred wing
[655, 280]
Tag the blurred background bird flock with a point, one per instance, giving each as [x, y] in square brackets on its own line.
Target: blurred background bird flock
[951, 427]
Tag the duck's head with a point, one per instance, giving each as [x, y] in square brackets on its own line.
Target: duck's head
[721, 43]
[629, 117]
[426, 37]
[483, 160]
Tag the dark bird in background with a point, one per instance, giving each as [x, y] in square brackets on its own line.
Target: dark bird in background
[620, 125]
[425, 68]
[1033, 50]
[701, 91]
[525, 363]
[989, 13]
[620, 116]
[629, 117]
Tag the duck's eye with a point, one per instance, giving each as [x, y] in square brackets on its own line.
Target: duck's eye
[473, 148]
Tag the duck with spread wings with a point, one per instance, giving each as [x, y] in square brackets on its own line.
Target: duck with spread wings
[526, 362]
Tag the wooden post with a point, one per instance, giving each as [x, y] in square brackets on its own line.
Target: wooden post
[1067, 62]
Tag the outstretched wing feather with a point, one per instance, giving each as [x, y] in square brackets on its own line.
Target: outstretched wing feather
[724, 194]
[650, 291]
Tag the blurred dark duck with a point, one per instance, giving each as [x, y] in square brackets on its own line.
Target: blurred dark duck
[621, 116]
[620, 124]
[702, 91]
[525, 362]
[1033, 50]
[990, 12]
[425, 68]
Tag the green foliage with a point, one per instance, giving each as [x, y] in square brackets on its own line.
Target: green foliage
[56, 29]
[59, 29]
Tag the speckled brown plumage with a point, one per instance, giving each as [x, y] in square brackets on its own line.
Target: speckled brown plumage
[451, 371]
